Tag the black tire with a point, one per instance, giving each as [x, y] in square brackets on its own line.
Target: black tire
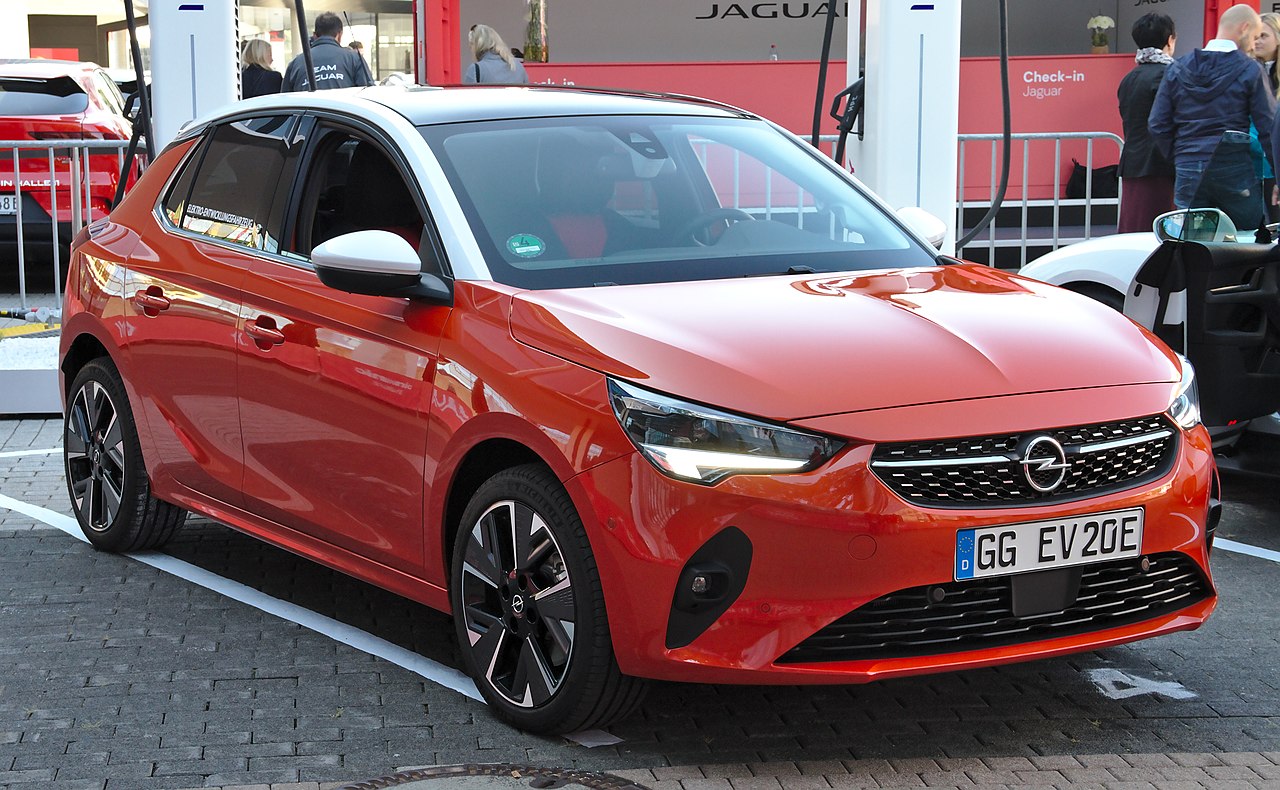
[510, 616]
[106, 477]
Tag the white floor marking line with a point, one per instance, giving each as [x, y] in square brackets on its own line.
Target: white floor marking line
[53, 518]
[20, 453]
[1245, 548]
[1120, 685]
[349, 635]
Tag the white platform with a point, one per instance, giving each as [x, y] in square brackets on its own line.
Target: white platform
[29, 376]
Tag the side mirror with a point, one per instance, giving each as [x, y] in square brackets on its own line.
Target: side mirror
[1194, 224]
[376, 263]
[924, 224]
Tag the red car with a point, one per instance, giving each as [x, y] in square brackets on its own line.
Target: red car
[636, 387]
[56, 100]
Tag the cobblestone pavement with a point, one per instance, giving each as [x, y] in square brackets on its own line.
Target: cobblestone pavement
[116, 675]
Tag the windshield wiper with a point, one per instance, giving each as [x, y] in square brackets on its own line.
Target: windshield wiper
[801, 269]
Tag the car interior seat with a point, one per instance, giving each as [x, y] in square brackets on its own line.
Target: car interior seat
[575, 185]
[377, 198]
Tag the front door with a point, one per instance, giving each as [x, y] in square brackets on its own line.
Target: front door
[334, 387]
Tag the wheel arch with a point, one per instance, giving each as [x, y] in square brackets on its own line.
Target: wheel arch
[83, 350]
[1100, 292]
[481, 462]
[83, 341]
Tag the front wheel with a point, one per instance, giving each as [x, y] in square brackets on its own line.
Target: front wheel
[529, 610]
[106, 477]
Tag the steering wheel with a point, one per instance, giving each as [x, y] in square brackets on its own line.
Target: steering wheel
[689, 229]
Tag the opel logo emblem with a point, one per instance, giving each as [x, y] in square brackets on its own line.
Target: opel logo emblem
[1044, 464]
[517, 604]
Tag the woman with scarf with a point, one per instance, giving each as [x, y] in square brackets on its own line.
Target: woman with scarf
[1147, 186]
[1265, 49]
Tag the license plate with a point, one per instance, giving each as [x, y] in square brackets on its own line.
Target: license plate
[8, 204]
[1055, 543]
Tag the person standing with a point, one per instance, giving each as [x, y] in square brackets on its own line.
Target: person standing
[1148, 175]
[1266, 46]
[1264, 51]
[257, 78]
[1205, 104]
[333, 65]
[494, 62]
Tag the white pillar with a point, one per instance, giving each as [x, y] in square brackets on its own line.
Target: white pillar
[912, 106]
[194, 61]
[15, 41]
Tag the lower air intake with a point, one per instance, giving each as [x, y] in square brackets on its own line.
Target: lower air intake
[978, 614]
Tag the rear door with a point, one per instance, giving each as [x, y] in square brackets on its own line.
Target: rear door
[183, 293]
[335, 387]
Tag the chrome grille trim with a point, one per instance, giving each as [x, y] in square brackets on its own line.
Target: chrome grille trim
[1102, 446]
[990, 459]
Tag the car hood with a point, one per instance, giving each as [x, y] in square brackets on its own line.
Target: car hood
[789, 347]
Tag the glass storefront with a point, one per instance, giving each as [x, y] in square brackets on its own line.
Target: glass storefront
[275, 25]
[387, 37]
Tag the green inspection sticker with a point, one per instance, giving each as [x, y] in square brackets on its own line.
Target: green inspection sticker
[526, 245]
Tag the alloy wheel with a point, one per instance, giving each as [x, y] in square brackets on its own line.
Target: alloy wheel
[517, 604]
[95, 450]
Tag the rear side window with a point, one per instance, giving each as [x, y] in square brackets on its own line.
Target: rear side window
[31, 96]
[108, 93]
[176, 200]
[231, 194]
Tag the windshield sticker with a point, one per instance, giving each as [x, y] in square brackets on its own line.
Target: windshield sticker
[526, 245]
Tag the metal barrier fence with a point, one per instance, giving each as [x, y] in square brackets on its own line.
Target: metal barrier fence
[78, 175]
[1087, 204]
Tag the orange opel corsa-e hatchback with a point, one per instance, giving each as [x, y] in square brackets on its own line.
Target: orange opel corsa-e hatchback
[636, 387]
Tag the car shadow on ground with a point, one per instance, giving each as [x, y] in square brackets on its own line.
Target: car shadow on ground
[1209, 690]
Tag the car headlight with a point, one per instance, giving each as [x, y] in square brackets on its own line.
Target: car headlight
[1185, 407]
[697, 443]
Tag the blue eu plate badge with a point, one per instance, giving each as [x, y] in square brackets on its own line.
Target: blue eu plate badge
[964, 554]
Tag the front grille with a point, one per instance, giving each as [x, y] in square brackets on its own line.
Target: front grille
[977, 614]
[989, 471]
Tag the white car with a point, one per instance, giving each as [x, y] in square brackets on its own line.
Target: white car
[1215, 292]
[1102, 268]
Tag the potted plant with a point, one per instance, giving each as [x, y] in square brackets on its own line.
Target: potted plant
[535, 40]
[1098, 27]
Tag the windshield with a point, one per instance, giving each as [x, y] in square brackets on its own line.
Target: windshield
[568, 202]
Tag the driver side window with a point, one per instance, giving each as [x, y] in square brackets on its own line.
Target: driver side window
[353, 185]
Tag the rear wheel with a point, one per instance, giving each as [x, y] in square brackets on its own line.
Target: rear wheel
[529, 610]
[105, 473]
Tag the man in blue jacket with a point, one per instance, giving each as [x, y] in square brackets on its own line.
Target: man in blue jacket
[333, 65]
[1204, 105]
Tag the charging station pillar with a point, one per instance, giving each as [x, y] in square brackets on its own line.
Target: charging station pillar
[195, 61]
[911, 116]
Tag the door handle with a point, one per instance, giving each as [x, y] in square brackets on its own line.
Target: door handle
[151, 301]
[264, 333]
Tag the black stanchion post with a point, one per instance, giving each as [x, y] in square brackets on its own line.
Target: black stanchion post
[306, 44]
[144, 98]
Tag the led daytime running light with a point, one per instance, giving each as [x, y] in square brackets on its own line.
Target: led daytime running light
[704, 445]
[1185, 406]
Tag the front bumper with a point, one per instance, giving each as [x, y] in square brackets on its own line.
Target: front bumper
[824, 544]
